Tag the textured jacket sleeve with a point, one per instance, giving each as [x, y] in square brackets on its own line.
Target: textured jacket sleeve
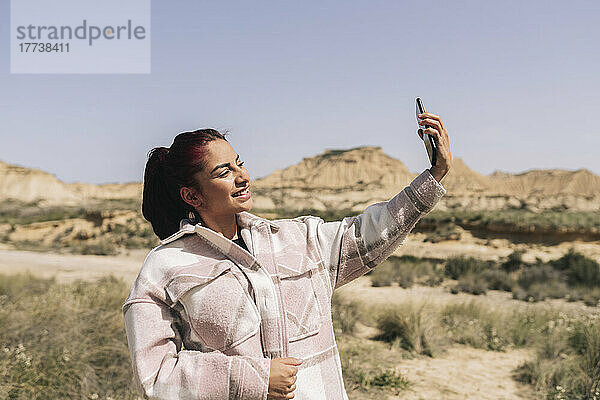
[165, 371]
[353, 246]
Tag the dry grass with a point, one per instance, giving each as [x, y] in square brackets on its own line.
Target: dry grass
[68, 341]
[63, 340]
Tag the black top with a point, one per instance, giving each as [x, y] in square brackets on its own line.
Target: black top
[240, 242]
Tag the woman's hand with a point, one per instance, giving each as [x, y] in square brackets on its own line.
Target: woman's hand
[283, 377]
[440, 136]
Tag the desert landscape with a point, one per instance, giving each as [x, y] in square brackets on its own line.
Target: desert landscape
[494, 295]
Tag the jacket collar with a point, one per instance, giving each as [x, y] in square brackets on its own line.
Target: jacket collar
[245, 219]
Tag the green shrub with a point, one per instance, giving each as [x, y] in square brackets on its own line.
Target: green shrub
[514, 261]
[390, 378]
[473, 284]
[584, 272]
[537, 275]
[357, 356]
[484, 327]
[406, 258]
[498, 279]
[556, 289]
[517, 220]
[434, 280]
[420, 271]
[473, 324]
[102, 247]
[461, 265]
[589, 295]
[406, 271]
[518, 293]
[410, 327]
[567, 365]
[534, 293]
[384, 274]
[406, 278]
[591, 300]
[542, 291]
[579, 269]
[525, 327]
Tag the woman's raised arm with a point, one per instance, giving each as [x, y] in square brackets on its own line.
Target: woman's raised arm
[355, 245]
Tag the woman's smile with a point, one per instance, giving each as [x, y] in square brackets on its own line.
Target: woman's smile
[243, 194]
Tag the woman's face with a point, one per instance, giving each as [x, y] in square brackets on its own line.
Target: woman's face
[223, 183]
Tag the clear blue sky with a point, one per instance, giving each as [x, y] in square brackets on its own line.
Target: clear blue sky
[516, 82]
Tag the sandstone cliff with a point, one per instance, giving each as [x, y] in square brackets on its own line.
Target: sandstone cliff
[346, 179]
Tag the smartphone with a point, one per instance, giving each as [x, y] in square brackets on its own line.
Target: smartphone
[427, 138]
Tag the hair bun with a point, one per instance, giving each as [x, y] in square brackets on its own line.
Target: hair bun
[162, 153]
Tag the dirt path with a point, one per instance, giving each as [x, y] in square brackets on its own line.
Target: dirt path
[69, 267]
[466, 373]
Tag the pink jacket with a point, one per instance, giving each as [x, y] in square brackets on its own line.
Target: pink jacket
[205, 316]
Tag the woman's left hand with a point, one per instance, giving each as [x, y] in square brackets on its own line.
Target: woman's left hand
[440, 136]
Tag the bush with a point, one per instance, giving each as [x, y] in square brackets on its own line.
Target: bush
[536, 292]
[406, 278]
[518, 293]
[525, 327]
[574, 295]
[590, 296]
[384, 274]
[591, 300]
[556, 289]
[514, 262]
[434, 280]
[427, 272]
[461, 265]
[541, 291]
[584, 272]
[537, 275]
[473, 284]
[102, 248]
[410, 327]
[498, 280]
[579, 269]
[567, 364]
[389, 378]
[357, 356]
[475, 325]
[406, 271]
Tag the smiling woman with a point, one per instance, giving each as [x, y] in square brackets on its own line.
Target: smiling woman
[234, 306]
[221, 191]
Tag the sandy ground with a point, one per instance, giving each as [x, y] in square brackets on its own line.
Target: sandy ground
[466, 373]
[69, 267]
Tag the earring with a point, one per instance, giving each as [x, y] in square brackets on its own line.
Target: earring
[191, 215]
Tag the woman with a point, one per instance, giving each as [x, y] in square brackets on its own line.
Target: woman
[234, 306]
